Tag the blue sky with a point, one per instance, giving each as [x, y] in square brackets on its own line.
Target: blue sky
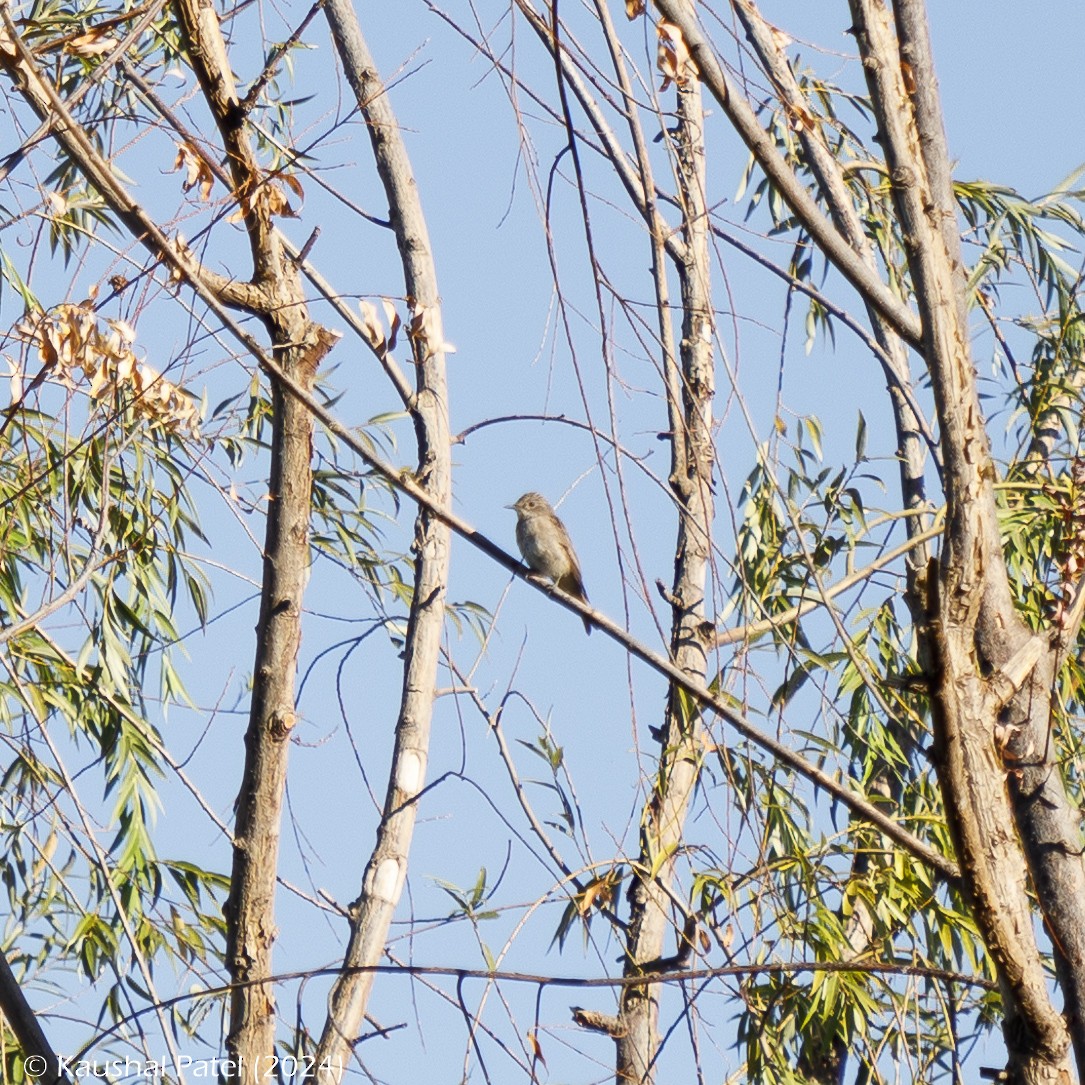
[1002, 124]
[1011, 96]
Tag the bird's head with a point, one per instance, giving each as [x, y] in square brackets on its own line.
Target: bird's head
[529, 503]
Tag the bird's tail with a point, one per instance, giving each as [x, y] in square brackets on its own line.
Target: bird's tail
[572, 584]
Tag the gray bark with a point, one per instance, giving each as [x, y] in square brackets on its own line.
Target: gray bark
[386, 870]
[663, 820]
[974, 629]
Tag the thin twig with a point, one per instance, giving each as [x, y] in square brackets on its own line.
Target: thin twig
[777, 621]
[150, 234]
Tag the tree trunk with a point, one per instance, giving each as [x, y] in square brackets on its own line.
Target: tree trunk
[663, 819]
[975, 636]
[276, 296]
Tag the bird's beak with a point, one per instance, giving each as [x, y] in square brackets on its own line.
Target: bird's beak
[513, 507]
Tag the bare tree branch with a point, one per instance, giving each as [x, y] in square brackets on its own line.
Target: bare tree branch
[746, 124]
[752, 630]
[386, 871]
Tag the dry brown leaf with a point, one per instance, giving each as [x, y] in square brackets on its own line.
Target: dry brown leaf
[707, 743]
[423, 331]
[598, 893]
[394, 323]
[802, 119]
[175, 276]
[268, 198]
[125, 330]
[634, 8]
[585, 901]
[197, 171]
[93, 43]
[372, 328]
[780, 38]
[420, 329]
[293, 184]
[672, 57]
[536, 1049]
[274, 199]
[71, 343]
[99, 380]
[126, 368]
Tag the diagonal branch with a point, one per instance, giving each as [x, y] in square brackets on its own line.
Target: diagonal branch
[752, 630]
[332, 297]
[891, 352]
[855, 802]
[634, 184]
[144, 228]
[17, 60]
[791, 189]
[23, 1021]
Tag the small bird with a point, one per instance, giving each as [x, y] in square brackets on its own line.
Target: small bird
[546, 546]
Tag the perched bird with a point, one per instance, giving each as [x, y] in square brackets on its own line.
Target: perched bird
[546, 546]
